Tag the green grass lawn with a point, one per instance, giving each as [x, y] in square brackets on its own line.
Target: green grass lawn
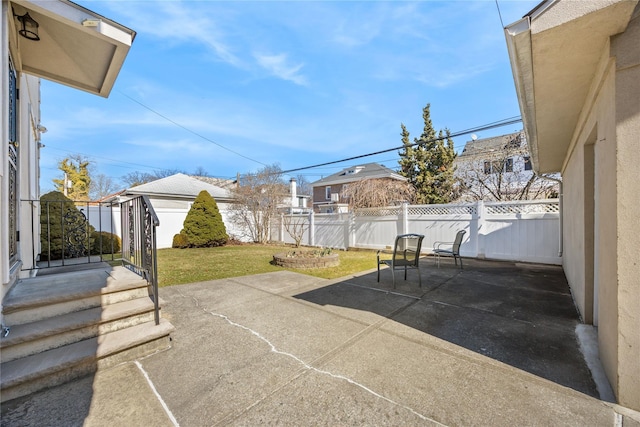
[179, 266]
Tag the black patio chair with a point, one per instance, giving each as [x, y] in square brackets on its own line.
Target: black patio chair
[438, 250]
[406, 254]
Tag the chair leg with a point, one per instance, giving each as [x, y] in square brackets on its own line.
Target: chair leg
[393, 278]
[419, 277]
[460, 262]
[378, 272]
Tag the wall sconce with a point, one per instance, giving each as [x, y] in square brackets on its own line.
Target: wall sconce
[29, 28]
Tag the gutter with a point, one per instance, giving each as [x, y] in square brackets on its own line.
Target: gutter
[560, 208]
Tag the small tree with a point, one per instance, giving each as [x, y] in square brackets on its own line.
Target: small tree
[258, 196]
[373, 193]
[101, 186]
[296, 226]
[203, 226]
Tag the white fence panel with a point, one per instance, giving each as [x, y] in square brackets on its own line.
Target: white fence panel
[331, 230]
[375, 232]
[522, 231]
[104, 218]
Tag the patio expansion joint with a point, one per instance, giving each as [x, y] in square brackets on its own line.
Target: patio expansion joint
[308, 367]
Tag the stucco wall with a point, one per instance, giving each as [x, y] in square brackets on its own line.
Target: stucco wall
[610, 120]
[626, 49]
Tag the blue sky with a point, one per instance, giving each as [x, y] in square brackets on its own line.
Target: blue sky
[232, 86]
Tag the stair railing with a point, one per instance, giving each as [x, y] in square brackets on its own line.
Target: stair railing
[139, 252]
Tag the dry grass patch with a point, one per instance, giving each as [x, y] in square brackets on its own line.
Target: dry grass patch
[179, 266]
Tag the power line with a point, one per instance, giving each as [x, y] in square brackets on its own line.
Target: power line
[499, 14]
[500, 123]
[189, 130]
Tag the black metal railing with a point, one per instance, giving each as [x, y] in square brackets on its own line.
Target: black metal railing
[71, 232]
[139, 222]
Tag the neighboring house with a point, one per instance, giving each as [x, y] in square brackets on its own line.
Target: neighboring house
[499, 168]
[577, 75]
[327, 191]
[295, 203]
[62, 42]
[172, 197]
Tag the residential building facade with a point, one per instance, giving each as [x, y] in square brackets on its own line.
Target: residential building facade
[328, 192]
[577, 75]
[59, 41]
[499, 168]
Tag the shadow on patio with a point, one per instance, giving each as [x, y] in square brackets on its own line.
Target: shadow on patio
[519, 314]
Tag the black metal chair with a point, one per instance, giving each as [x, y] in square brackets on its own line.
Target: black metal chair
[406, 254]
[438, 251]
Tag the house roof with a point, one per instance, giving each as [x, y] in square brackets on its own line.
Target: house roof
[496, 143]
[179, 186]
[555, 51]
[218, 182]
[77, 47]
[357, 173]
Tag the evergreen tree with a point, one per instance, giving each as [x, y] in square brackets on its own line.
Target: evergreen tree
[203, 226]
[77, 169]
[428, 162]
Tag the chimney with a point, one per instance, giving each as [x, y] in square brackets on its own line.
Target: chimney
[294, 192]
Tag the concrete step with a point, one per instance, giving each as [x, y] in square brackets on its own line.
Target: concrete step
[53, 367]
[42, 297]
[42, 335]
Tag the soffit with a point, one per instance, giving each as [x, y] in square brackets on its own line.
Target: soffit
[84, 57]
[566, 42]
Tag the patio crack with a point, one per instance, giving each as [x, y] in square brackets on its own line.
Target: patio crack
[305, 366]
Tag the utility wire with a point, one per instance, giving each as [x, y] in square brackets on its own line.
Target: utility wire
[499, 14]
[505, 122]
[189, 130]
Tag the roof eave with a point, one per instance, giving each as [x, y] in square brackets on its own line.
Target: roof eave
[77, 48]
[518, 37]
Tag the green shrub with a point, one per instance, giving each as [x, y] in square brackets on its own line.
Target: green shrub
[180, 241]
[203, 225]
[64, 230]
[110, 243]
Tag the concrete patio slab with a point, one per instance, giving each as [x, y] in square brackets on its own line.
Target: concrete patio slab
[288, 349]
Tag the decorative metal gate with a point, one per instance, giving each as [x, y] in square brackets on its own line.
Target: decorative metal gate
[13, 166]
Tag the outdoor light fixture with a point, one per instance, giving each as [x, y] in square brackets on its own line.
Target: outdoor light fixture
[29, 28]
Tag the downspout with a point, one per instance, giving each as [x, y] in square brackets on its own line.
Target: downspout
[560, 209]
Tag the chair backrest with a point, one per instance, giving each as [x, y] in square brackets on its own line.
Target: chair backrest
[408, 246]
[458, 241]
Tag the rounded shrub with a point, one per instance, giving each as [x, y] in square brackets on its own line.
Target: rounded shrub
[105, 243]
[180, 241]
[203, 225]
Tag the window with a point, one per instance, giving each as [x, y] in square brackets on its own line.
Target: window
[327, 192]
[497, 166]
[527, 163]
[509, 165]
[487, 167]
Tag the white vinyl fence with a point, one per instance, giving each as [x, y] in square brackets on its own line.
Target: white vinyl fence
[518, 231]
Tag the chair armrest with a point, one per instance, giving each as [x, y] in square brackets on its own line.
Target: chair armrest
[437, 245]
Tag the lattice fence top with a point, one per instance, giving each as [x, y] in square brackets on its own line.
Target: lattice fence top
[379, 211]
[442, 210]
[522, 208]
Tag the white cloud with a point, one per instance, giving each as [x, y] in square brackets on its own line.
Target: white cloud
[279, 66]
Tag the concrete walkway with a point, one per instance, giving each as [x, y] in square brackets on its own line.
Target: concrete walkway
[493, 344]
